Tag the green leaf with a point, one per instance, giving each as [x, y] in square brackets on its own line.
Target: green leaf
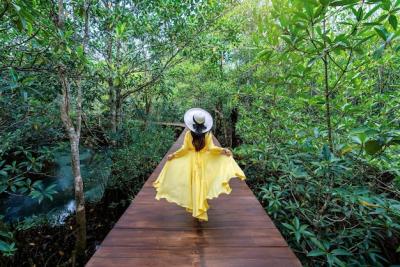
[343, 2]
[386, 5]
[339, 262]
[341, 252]
[372, 11]
[287, 39]
[372, 147]
[325, 2]
[7, 249]
[360, 42]
[318, 244]
[382, 32]
[393, 21]
[379, 51]
[394, 141]
[265, 55]
[80, 51]
[3, 188]
[6, 234]
[326, 152]
[17, 8]
[316, 253]
[290, 227]
[357, 13]
[312, 61]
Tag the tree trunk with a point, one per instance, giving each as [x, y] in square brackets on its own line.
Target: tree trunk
[119, 113]
[327, 104]
[74, 133]
[221, 123]
[112, 92]
[148, 103]
[234, 119]
[80, 245]
[221, 66]
[113, 108]
[327, 94]
[118, 107]
[146, 109]
[74, 139]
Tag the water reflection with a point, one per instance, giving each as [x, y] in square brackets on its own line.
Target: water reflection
[95, 168]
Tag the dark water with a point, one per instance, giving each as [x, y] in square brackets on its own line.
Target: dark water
[95, 168]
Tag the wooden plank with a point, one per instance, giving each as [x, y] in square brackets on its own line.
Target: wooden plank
[178, 261]
[159, 233]
[219, 256]
[160, 238]
[210, 252]
[177, 218]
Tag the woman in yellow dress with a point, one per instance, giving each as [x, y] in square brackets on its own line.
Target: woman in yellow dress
[199, 170]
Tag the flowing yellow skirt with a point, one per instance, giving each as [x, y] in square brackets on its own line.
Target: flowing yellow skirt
[195, 177]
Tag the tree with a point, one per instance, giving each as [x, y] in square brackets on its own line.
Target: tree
[72, 128]
[140, 42]
[311, 30]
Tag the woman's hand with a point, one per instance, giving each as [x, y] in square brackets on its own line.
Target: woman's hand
[170, 156]
[226, 152]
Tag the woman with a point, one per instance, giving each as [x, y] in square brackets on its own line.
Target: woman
[199, 170]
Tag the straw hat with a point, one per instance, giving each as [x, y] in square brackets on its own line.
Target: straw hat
[198, 120]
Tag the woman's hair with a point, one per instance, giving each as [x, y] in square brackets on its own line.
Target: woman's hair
[199, 140]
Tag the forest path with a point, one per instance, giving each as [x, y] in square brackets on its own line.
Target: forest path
[157, 233]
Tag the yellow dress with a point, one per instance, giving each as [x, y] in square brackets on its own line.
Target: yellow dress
[191, 177]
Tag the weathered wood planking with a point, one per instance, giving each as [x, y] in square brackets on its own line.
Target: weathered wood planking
[158, 233]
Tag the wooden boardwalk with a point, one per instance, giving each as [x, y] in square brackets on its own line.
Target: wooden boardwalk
[156, 233]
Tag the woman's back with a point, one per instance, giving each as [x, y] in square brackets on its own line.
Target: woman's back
[198, 170]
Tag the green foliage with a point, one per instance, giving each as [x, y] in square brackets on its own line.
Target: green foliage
[7, 249]
[7, 246]
[327, 207]
[40, 191]
[141, 151]
[21, 164]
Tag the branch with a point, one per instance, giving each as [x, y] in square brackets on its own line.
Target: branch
[22, 42]
[334, 62]
[154, 79]
[60, 22]
[157, 77]
[86, 27]
[85, 40]
[343, 71]
[177, 124]
[25, 69]
[79, 109]
[64, 105]
[5, 10]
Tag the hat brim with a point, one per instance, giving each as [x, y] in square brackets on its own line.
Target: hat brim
[188, 119]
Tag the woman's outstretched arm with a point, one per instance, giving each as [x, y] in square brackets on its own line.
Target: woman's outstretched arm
[213, 149]
[183, 149]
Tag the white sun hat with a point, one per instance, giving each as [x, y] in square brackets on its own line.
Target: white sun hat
[198, 120]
